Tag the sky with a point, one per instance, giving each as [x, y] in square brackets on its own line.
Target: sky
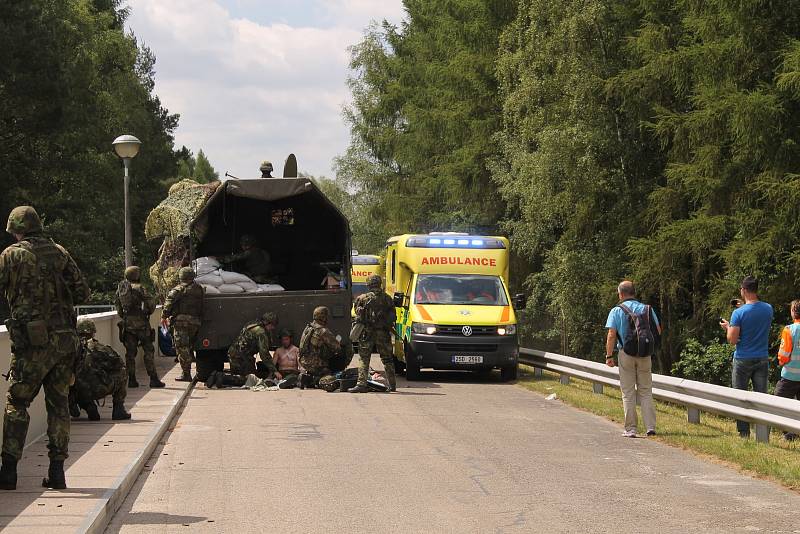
[257, 79]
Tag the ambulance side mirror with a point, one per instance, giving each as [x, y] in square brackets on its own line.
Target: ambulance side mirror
[399, 300]
[520, 301]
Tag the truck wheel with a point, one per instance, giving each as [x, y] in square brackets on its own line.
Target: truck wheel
[412, 366]
[507, 374]
[208, 361]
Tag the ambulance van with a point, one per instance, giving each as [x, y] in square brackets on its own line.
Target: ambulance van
[454, 310]
[363, 266]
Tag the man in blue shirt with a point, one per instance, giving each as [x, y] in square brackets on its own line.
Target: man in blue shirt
[635, 372]
[748, 329]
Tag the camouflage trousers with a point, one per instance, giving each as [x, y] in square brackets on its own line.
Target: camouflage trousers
[132, 340]
[91, 385]
[50, 368]
[184, 336]
[381, 342]
[242, 364]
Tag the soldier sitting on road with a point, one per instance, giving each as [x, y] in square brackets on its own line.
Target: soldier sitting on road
[183, 310]
[252, 261]
[287, 359]
[134, 307]
[255, 338]
[99, 371]
[321, 352]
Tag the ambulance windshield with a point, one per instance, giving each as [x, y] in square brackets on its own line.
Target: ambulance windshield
[460, 289]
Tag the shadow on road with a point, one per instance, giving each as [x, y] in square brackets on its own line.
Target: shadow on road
[158, 518]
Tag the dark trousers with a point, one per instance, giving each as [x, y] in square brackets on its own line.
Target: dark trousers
[789, 389]
[755, 370]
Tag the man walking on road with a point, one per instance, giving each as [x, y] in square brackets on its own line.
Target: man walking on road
[748, 329]
[632, 328]
[42, 285]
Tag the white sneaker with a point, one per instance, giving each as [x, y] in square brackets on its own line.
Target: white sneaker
[629, 434]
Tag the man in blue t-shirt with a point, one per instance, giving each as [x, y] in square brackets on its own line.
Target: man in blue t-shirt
[635, 372]
[748, 329]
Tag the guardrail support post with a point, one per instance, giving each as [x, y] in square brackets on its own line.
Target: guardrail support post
[597, 387]
[538, 372]
[694, 415]
[762, 433]
[564, 379]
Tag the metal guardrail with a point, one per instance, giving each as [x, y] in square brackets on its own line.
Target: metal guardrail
[759, 408]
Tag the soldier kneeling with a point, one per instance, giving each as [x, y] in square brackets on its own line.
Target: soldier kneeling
[321, 352]
[99, 371]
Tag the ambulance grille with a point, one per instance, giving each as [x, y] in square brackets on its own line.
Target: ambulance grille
[464, 347]
[453, 330]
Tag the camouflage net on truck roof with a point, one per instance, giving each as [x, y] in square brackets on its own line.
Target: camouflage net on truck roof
[172, 220]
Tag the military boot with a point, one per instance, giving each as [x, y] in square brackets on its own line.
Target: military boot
[211, 381]
[155, 382]
[55, 476]
[231, 380]
[118, 413]
[359, 388]
[8, 473]
[185, 377]
[132, 382]
[91, 411]
[74, 409]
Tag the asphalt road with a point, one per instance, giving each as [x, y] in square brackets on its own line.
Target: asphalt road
[452, 455]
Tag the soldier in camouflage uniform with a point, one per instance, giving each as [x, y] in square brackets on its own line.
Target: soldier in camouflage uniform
[42, 284]
[376, 311]
[183, 310]
[134, 307]
[318, 346]
[266, 169]
[252, 261]
[99, 372]
[255, 338]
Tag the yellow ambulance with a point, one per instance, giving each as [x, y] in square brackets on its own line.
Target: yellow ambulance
[363, 266]
[454, 310]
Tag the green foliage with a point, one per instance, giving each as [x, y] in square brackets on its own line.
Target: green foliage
[203, 171]
[705, 363]
[71, 80]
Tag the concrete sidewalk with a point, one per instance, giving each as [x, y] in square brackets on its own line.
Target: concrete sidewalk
[105, 459]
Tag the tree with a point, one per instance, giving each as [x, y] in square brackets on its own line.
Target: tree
[203, 171]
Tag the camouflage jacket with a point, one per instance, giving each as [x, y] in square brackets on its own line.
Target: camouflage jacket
[376, 311]
[185, 303]
[134, 305]
[254, 262]
[97, 358]
[317, 346]
[41, 281]
[254, 338]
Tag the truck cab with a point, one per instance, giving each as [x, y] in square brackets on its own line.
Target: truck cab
[454, 309]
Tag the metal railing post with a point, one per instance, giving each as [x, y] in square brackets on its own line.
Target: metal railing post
[693, 415]
[762, 433]
[538, 372]
[564, 379]
[597, 387]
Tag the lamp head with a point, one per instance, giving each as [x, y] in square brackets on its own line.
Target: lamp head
[126, 146]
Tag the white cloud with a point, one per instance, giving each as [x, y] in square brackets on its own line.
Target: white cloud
[249, 91]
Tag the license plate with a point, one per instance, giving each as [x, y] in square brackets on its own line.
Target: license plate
[467, 359]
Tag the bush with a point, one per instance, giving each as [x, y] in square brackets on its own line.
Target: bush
[705, 363]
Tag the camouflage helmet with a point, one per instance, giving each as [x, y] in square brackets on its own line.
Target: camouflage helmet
[270, 318]
[329, 383]
[23, 220]
[321, 314]
[186, 274]
[248, 239]
[133, 274]
[374, 282]
[86, 328]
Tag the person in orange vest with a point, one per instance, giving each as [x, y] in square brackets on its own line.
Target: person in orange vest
[789, 357]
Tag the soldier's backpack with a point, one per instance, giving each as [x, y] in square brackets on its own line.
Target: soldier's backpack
[305, 340]
[128, 297]
[641, 336]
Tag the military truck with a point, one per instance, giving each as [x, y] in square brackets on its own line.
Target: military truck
[305, 234]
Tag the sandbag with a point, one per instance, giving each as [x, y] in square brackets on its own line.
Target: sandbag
[230, 277]
[205, 265]
[230, 289]
[211, 290]
[210, 279]
[249, 287]
[267, 288]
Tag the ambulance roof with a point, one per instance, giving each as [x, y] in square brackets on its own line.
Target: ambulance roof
[450, 240]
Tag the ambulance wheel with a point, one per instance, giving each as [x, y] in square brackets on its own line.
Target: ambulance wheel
[412, 366]
[507, 374]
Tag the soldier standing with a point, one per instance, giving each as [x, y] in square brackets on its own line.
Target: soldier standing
[183, 310]
[318, 346]
[134, 307]
[42, 284]
[375, 310]
[99, 371]
[255, 337]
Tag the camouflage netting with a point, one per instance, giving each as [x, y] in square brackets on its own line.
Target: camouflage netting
[172, 220]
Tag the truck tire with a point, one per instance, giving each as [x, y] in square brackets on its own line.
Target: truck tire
[208, 361]
[412, 366]
[507, 374]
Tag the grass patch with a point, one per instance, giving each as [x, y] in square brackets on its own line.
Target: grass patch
[715, 437]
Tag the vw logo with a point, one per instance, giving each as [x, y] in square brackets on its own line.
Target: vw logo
[467, 331]
[465, 312]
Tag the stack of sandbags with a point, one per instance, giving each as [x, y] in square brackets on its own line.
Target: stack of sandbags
[269, 288]
[216, 280]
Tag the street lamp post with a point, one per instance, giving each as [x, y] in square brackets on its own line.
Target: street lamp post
[126, 147]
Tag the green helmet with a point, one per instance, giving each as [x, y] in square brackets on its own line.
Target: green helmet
[270, 318]
[86, 328]
[249, 240]
[329, 383]
[321, 314]
[133, 274]
[23, 220]
[374, 282]
[186, 274]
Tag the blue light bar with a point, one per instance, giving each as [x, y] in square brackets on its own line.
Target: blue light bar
[477, 242]
[469, 242]
[463, 241]
[435, 241]
[449, 241]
